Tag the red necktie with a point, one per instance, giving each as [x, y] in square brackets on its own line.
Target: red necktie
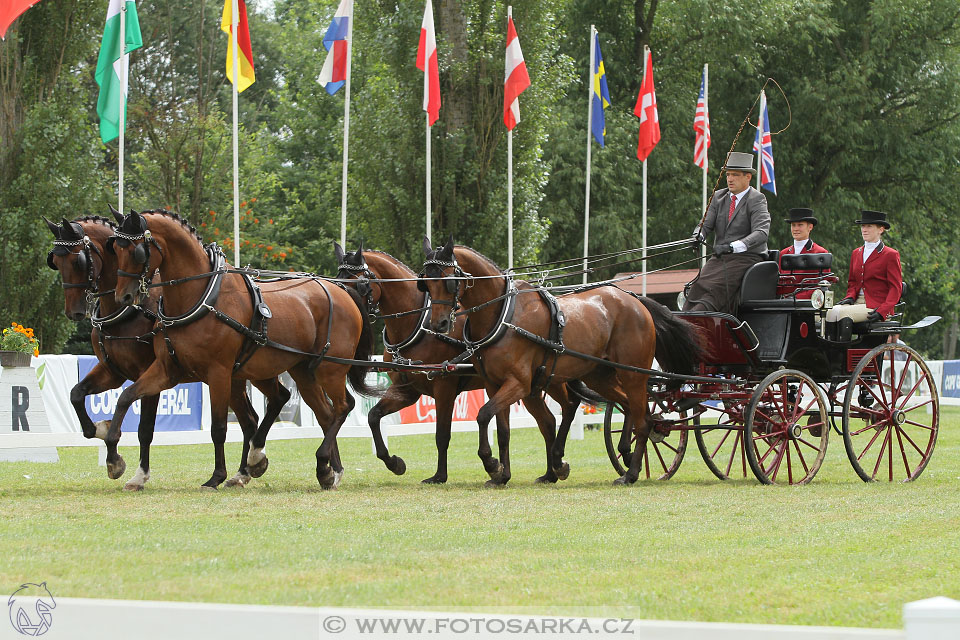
[733, 205]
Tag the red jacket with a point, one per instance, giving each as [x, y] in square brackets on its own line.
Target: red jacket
[785, 287]
[881, 278]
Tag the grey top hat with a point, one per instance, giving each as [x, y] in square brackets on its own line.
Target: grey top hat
[873, 217]
[801, 215]
[739, 161]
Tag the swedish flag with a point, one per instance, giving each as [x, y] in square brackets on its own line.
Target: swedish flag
[601, 95]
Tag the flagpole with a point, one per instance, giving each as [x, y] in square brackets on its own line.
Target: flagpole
[509, 180]
[123, 98]
[428, 176]
[234, 26]
[706, 159]
[346, 135]
[586, 208]
[643, 236]
[763, 104]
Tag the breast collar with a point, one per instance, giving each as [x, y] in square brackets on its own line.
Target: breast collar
[209, 297]
[506, 316]
[415, 336]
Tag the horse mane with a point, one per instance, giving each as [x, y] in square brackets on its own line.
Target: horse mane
[399, 262]
[96, 219]
[176, 217]
[483, 257]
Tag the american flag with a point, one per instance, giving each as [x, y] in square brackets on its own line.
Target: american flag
[701, 125]
[764, 146]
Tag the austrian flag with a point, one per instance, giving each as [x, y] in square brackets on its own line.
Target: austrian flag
[515, 80]
[427, 62]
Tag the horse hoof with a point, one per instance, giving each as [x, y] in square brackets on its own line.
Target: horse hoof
[259, 468]
[496, 473]
[547, 478]
[623, 481]
[132, 486]
[330, 479]
[103, 426]
[239, 480]
[116, 469]
[208, 488]
[494, 484]
[563, 472]
[434, 479]
[399, 467]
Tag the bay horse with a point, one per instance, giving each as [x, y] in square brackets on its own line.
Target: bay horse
[602, 322]
[391, 286]
[121, 340]
[218, 325]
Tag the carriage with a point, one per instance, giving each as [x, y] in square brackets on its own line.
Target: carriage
[782, 385]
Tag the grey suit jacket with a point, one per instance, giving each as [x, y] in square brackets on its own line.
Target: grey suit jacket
[750, 222]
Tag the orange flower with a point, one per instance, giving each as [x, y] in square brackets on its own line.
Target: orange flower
[271, 220]
[253, 199]
[36, 352]
[243, 204]
[270, 248]
[256, 220]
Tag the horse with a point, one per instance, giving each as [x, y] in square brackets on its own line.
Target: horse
[120, 340]
[390, 285]
[530, 346]
[217, 325]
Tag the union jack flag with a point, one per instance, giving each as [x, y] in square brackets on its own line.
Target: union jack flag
[764, 147]
[701, 125]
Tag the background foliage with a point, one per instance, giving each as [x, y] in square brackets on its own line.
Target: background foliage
[873, 121]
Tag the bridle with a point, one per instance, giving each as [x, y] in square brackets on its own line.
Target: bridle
[451, 283]
[84, 263]
[364, 285]
[141, 255]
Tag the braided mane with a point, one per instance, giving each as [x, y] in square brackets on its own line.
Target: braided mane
[480, 255]
[97, 219]
[399, 262]
[176, 217]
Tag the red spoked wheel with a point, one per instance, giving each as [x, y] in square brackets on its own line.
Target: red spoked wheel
[891, 415]
[667, 445]
[786, 428]
[721, 445]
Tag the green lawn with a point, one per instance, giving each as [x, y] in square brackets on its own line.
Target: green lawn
[835, 552]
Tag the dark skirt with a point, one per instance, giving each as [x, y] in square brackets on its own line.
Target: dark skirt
[717, 288]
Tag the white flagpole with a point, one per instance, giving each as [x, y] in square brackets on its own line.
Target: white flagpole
[234, 21]
[123, 98]
[346, 135]
[763, 107]
[509, 182]
[706, 163]
[643, 236]
[586, 208]
[428, 172]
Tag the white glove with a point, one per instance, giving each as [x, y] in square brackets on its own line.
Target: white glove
[738, 246]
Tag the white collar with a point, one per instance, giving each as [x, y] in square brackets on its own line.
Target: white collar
[869, 248]
[800, 245]
[739, 196]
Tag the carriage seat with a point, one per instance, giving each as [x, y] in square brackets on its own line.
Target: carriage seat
[820, 262]
[758, 291]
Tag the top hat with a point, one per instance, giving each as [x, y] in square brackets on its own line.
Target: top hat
[738, 161]
[873, 217]
[801, 215]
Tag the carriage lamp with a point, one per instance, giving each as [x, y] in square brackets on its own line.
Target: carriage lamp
[817, 298]
[681, 300]
[828, 301]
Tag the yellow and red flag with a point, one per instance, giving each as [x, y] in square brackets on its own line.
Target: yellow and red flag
[245, 56]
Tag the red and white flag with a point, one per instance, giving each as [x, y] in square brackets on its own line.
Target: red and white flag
[427, 62]
[701, 125]
[515, 79]
[646, 110]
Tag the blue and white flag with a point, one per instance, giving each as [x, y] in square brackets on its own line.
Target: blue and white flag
[763, 146]
[334, 72]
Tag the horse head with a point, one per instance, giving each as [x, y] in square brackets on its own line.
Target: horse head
[444, 280]
[73, 255]
[131, 243]
[353, 266]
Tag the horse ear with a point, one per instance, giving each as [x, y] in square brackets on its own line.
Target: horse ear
[427, 249]
[360, 252]
[338, 251]
[53, 227]
[116, 214]
[68, 232]
[448, 248]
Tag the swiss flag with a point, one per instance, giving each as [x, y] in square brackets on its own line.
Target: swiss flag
[646, 110]
[427, 62]
[515, 80]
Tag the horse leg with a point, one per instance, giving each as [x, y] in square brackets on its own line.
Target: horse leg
[568, 407]
[490, 464]
[98, 380]
[445, 394]
[277, 396]
[154, 380]
[247, 417]
[313, 393]
[547, 424]
[637, 406]
[509, 392]
[148, 420]
[396, 398]
[219, 383]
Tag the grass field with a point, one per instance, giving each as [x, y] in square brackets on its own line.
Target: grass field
[836, 552]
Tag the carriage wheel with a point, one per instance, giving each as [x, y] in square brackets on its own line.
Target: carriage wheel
[667, 454]
[787, 428]
[721, 446]
[891, 415]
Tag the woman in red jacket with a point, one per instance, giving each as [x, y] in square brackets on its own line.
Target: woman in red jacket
[875, 282]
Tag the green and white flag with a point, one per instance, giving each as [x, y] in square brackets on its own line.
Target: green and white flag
[111, 73]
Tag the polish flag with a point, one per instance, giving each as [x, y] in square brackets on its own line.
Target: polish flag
[646, 110]
[515, 79]
[427, 62]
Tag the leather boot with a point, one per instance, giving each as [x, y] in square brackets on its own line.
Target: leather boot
[846, 329]
[830, 332]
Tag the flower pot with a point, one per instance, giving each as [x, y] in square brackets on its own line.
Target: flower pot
[14, 359]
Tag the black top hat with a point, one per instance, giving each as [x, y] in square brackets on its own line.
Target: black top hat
[801, 215]
[738, 161]
[873, 217]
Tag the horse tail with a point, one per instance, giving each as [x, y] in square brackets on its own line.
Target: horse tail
[679, 348]
[584, 393]
[357, 375]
